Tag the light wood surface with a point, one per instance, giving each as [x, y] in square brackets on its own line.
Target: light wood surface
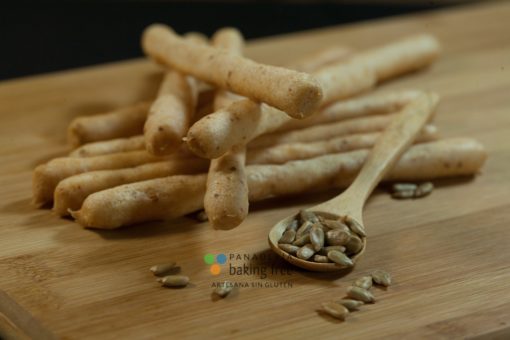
[448, 252]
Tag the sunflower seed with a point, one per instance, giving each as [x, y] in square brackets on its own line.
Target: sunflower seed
[364, 282]
[305, 252]
[403, 194]
[337, 237]
[302, 240]
[336, 225]
[161, 269]
[381, 277]
[306, 215]
[293, 225]
[403, 187]
[358, 293]
[174, 281]
[288, 248]
[423, 189]
[317, 237]
[336, 310]
[288, 237]
[304, 229]
[321, 259]
[325, 250]
[354, 245]
[355, 226]
[224, 289]
[351, 304]
[340, 258]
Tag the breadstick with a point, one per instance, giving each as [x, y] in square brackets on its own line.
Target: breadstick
[46, 177]
[340, 80]
[325, 131]
[226, 197]
[282, 153]
[124, 122]
[72, 191]
[109, 146]
[373, 104]
[174, 196]
[296, 93]
[170, 114]
[315, 61]
[363, 71]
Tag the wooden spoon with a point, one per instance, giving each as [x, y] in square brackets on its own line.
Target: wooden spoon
[397, 137]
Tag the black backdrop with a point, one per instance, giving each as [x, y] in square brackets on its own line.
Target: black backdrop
[39, 37]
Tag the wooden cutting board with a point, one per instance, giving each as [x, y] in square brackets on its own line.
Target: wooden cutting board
[448, 252]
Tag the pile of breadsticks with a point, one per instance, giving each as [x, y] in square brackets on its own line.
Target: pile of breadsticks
[224, 131]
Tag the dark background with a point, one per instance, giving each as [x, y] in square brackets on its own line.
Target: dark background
[42, 36]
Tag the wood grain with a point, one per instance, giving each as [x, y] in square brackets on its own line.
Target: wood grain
[448, 252]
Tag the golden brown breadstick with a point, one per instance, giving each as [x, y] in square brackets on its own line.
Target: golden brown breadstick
[226, 197]
[109, 146]
[340, 80]
[171, 113]
[46, 176]
[361, 72]
[325, 131]
[315, 61]
[124, 122]
[282, 153]
[174, 196]
[298, 94]
[72, 191]
[372, 104]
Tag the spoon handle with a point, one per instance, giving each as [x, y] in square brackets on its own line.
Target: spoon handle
[392, 143]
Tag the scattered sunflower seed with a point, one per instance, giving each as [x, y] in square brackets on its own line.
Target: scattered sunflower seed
[161, 269]
[288, 248]
[423, 189]
[381, 277]
[336, 310]
[403, 194]
[305, 252]
[361, 294]
[337, 237]
[174, 281]
[364, 282]
[224, 289]
[302, 240]
[355, 226]
[317, 237]
[351, 304]
[288, 237]
[340, 258]
[321, 259]
[403, 187]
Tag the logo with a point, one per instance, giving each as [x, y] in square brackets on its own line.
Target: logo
[214, 262]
